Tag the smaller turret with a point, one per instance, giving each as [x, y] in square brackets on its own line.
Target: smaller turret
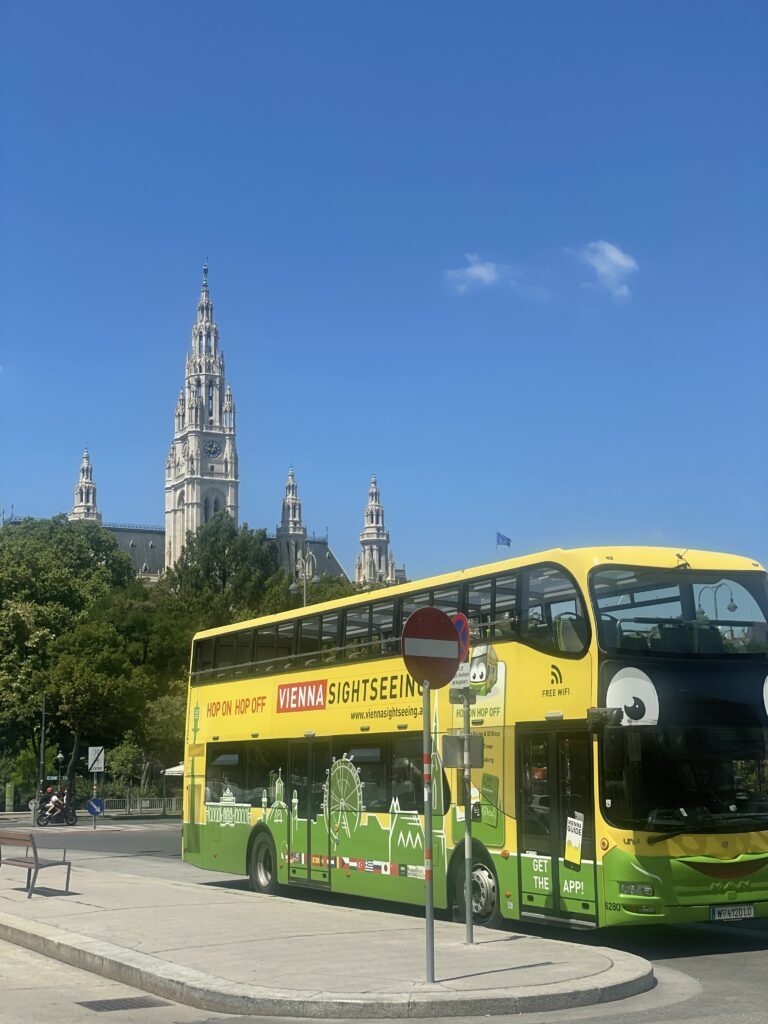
[85, 493]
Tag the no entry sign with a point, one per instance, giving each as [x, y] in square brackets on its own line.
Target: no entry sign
[430, 647]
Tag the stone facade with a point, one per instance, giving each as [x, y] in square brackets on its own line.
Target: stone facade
[201, 474]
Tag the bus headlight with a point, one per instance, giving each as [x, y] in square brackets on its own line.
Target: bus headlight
[635, 889]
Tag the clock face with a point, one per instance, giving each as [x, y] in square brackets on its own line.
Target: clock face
[213, 448]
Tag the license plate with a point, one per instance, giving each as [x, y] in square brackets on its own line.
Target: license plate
[738, 912]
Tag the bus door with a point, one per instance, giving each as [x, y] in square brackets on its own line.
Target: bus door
[308, 838]
[556, 833]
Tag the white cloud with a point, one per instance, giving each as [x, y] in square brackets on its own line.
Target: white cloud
[611, 265]
[479, 274]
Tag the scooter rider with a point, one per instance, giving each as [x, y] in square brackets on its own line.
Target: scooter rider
[56, 804]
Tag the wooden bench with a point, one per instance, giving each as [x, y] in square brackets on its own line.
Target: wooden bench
[34, 862]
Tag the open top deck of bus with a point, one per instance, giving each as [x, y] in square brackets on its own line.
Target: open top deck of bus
[578, 561]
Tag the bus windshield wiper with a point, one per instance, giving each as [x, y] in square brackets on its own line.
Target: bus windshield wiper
[684, 822]
[686, 830]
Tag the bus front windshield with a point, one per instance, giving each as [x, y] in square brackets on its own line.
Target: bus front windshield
[680, 611]
[676, 780]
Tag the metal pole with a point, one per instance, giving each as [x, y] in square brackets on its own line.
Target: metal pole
[467, 825]
[41, 786]
[429, 892]
[94, 795]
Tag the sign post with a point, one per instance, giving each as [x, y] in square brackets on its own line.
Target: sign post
[430, 650]
[462, 628]
[95, 764]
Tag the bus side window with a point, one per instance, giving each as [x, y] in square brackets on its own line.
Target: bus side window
[553, 612]
[371, 761]
[406, 760]
[267, 772]
[412, 603]
[357, 631]
[225, 772]
[225, 651]
[244, 651]
[264, 650]
[329, 638]
[309, 641]
[479, 607]
[505, 612]
[446, 599]
[383, 629]
[284, 649]
[203, 662]
[407, 793]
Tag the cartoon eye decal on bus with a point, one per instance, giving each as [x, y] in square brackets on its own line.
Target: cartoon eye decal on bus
[633, 691]
[483, 669]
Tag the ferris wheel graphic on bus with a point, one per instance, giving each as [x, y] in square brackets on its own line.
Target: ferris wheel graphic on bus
[343, 797]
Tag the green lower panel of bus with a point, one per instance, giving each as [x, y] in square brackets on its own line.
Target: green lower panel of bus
[648, 890]
[384, 861]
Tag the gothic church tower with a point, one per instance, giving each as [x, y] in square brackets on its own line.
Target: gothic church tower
[375, 564]
[291, 534]
[85, 493]
[201, 474]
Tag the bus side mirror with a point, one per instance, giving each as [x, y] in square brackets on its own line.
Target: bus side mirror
[599, 718]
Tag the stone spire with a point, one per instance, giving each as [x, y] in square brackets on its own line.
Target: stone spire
[375, 566]
[201, 473]
[85, 493]
[291, 534]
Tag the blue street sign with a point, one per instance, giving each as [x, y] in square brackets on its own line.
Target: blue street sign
[95, 806]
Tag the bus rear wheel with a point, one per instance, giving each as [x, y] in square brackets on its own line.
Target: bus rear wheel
[485, 890]
[262, 874]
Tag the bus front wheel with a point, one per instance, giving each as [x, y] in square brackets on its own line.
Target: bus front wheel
[262, 874]
[485, 890]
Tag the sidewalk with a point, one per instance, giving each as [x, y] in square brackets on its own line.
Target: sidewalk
[224, 949]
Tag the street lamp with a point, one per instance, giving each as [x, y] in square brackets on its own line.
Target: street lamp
[305, 570]
[731, 606]
[59, 759]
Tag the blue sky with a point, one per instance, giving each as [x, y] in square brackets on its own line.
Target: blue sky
[510, 257]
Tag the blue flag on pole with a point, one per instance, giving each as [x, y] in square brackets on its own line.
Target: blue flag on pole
[502, 539]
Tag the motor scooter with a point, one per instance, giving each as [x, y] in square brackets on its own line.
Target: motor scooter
[60, 815]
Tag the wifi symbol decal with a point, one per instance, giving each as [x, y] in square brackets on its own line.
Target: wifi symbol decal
[555, 677]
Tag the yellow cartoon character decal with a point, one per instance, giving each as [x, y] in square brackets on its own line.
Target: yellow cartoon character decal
[483, 669]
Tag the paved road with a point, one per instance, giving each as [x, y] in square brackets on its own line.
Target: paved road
[707, 974]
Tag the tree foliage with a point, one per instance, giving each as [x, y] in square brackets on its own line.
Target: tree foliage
[51, 573]
[223, 571]
[111, 653]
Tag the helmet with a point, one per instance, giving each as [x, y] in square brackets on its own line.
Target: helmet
[49, 790]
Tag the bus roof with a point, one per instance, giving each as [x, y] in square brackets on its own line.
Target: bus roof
[578, 560]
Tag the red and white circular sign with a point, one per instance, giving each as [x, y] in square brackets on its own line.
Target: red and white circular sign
[430, 647]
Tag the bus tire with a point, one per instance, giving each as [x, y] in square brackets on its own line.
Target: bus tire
[262, 871]
[486, 904]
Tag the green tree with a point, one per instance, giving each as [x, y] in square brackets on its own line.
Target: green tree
[126, 760]
[94, 685]
[223, 571]
[162, 726]
[51, 573]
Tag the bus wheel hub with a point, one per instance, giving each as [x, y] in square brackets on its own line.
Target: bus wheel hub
[483, 890]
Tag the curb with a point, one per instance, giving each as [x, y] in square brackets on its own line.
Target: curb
[629, 975]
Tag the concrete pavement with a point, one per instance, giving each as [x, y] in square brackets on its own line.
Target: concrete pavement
[222, 949]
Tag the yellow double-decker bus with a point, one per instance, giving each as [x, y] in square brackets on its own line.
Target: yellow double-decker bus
[622, 694]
